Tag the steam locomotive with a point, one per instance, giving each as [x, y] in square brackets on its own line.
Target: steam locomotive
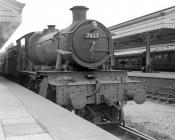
[73, 68]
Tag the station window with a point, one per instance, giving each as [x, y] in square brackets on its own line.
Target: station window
[171, 56]
[159, 56]
[165, 56]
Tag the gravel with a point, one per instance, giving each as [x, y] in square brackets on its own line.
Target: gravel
[156, 120]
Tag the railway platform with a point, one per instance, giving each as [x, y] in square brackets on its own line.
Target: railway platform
[24, 115]
[163, 75]
[160, 86]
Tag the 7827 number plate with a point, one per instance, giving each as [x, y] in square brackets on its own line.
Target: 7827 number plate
[92, 35]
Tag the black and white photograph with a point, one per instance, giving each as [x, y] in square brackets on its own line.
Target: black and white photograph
[87, 70]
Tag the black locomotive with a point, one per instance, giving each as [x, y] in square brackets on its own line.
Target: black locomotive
[73, 68]
[162, 58]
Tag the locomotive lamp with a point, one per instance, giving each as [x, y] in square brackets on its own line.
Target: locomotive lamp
[94, 24]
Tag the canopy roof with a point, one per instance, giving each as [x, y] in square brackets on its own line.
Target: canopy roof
[10, 18]
[159, 25]
[163, 19]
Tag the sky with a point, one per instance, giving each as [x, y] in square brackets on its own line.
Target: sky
[37, 14]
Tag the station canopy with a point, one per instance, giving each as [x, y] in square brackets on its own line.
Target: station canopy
[160, 26]
[10, 18]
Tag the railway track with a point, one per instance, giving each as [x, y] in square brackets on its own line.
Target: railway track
[124, 132]
[166, 96]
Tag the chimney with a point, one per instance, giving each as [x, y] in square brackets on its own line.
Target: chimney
[79, 13]
[51, 28]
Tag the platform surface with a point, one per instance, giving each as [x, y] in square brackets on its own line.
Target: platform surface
[164, 75]
[25, 115]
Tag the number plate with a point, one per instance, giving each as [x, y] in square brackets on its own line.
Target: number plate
[92, 35]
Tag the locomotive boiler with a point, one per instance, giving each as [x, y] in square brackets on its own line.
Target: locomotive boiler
[85, 43]
[73, 67]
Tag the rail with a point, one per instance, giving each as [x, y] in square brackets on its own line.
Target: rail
[124, 132]
[135, 134]
[166, 96]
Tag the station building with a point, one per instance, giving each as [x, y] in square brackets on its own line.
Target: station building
[10, 18]
[157, 28]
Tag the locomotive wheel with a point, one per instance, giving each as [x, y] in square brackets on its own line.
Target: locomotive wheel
[89, 116]
[31, 85]
[121, 116]
[51, 93]
[113, 114]
[46, 90]
[80, 112]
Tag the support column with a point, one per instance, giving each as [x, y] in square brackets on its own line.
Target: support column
[147, 38]
[148, 56]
